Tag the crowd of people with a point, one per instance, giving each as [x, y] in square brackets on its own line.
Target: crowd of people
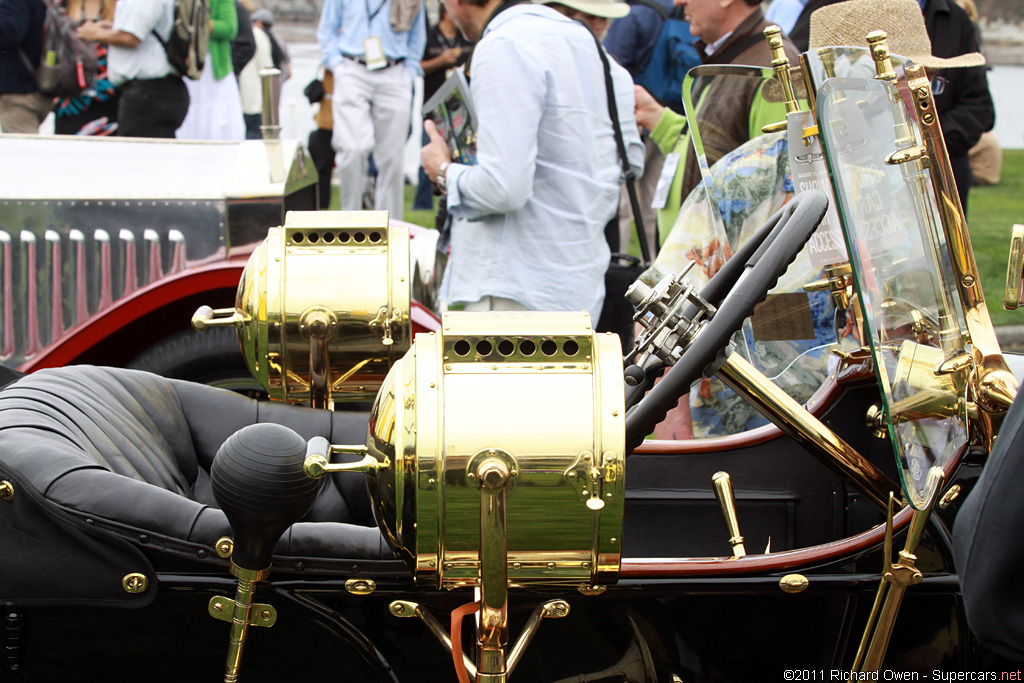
[137, 92]
[559, 122]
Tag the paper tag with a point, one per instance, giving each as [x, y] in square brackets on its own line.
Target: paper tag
[807, 165]
[668, 172]
[373, 53]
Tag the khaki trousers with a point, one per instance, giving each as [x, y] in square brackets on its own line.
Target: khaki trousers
[23, 112]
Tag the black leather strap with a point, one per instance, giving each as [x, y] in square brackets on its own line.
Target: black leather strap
[627, 171]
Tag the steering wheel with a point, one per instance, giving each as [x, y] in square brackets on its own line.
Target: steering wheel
[745, 284]
[641, 379]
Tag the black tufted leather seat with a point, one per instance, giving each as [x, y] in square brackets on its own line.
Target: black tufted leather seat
[128, 453]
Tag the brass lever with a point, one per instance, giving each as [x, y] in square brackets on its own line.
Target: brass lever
[723, 491]
[318, 460]
[205, 317]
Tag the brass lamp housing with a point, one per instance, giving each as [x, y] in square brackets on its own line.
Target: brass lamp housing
[299, 346]
[537, 395]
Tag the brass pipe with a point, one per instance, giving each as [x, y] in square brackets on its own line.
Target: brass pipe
[492, 629]
[247, 580]
[798, 423]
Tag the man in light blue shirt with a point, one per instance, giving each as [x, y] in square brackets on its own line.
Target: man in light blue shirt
[529, 216]
[374, 51]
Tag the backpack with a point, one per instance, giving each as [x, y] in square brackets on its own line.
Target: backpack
[673, 55]
[67, 65]
[189, 41]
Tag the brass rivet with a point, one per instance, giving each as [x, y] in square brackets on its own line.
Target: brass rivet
[135, 583]
[224, 546]
[613, 540]
[968, 280]
[551, 565]
[217, 607]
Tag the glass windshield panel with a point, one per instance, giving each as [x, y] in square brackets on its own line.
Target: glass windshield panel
[740, 177]
[900, 263]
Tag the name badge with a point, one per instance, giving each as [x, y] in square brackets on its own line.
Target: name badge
[373, 53]
[668, 172]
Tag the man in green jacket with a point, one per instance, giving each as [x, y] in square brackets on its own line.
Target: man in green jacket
[729, 32]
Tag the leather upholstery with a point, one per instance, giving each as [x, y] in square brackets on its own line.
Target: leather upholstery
[131, 452]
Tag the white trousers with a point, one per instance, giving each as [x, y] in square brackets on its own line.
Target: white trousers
[371, 114]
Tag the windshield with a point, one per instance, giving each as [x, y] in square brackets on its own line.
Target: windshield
[912, 316]
[743, 176]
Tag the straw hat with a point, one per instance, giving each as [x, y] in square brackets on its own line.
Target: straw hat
[610, 9]
[849, 23]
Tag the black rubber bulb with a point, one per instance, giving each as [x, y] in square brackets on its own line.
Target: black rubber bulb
[259, 483]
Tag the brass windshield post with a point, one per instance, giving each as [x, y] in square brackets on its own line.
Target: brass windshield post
[780, 65]
[994, 385]
[896, 578]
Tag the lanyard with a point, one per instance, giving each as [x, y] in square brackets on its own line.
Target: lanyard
[370, 15]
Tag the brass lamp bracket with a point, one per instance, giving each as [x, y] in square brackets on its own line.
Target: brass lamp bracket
[553, 609]
[586, 476]
[383, 322]
[477, 470]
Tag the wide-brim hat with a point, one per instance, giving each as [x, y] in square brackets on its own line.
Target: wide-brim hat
[849, 23]
[609, 9]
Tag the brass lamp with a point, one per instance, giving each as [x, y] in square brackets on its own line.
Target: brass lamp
[322, 309]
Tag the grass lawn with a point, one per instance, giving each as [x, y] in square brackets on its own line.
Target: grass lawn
[992, 211]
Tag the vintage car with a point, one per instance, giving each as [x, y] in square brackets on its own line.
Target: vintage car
[107, 246]
[499, 514]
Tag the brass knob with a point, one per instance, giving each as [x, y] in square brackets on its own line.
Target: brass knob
[224, 547]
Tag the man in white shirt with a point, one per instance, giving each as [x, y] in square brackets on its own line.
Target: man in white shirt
[529, 216]
[154, 100]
